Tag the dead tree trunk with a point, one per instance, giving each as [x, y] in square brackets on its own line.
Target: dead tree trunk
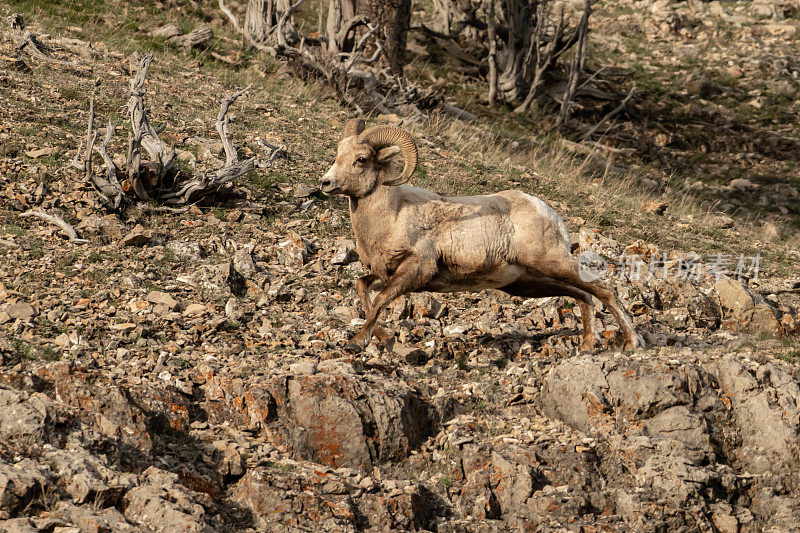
[492, 58]
[393, 17]
[258, 19]
[341, 15]
[519, 17]
[261, 18]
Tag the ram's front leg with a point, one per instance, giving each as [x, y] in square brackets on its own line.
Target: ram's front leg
[362, 289]
[410, 275]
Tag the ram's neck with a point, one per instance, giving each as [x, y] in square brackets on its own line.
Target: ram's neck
[382, 203]
[373, 216]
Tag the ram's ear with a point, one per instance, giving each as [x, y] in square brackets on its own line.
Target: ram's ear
[386, 154]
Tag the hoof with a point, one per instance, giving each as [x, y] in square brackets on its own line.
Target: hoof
[357, 343]
[631, 345]
[353, 347]
[588, 348]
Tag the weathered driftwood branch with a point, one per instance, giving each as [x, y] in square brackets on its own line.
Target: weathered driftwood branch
[58, 221]
[133, 164]
[222, 178]
[76, 162]
[222, 126]
[25, 41]
[109, 187]
[90, 138]
[144, 135]
[158, 178]
[76, 46]
[194, 39]
[168, 30]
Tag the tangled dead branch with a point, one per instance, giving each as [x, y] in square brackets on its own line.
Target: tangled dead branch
[26, 42]
[157, 177]
[340, 61]
[221, 179]
[144, 135]
[534, 53]
[611, 114]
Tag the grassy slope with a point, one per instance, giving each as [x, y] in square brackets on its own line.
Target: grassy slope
[49, 108]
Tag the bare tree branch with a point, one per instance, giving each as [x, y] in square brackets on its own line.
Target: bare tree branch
[577, 66]
[611, 114]
[75, 163]
[58, 221]
[110, 187]
[215, 181]
[360, 46]
[90, 138]
[228, 13]
[144, 135]
[282, 21]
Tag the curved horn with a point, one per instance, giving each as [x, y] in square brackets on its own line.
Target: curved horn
[352, 127]
[382, 136]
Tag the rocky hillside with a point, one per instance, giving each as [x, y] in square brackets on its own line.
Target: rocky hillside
[184, 370]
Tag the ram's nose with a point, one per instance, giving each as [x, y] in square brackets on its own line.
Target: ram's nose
[327, 183]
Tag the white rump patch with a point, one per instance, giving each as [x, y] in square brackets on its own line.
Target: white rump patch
[549, 213]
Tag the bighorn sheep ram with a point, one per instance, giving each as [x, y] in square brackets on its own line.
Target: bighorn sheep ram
[415, 240]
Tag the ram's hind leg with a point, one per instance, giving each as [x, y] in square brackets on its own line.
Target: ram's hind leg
[630, 341]
[362, 289]
[587, 320]
[570, 275]
[541, 289]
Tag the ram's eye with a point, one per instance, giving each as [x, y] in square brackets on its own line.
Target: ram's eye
[361, 160]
